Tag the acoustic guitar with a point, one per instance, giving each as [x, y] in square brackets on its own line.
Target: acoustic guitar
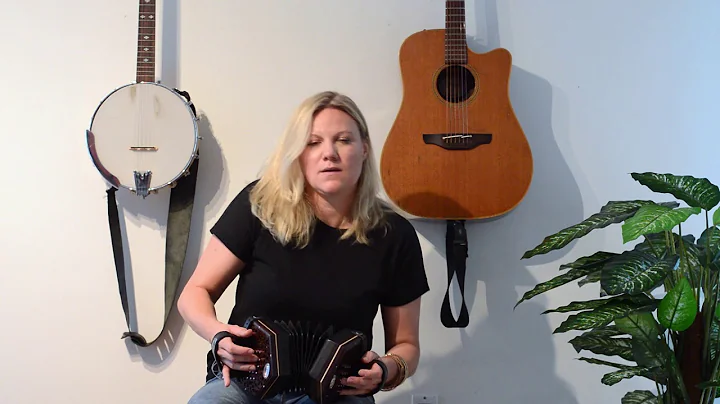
[456, 150]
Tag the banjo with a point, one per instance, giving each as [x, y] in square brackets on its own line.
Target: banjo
[143, 137]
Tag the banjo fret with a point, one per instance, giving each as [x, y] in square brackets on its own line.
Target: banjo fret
[145, 71]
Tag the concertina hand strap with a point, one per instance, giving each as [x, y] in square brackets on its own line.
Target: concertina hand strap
[178, 231]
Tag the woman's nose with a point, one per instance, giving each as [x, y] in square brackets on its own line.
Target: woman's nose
[330, 152]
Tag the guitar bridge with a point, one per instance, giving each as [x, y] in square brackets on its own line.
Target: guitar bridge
[457, 141]
[142, 182]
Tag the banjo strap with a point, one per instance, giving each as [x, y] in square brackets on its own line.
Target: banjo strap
[178, 230]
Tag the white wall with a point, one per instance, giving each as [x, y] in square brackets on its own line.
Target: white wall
[590, 78]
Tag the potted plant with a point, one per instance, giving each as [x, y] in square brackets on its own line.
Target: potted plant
[658, 304]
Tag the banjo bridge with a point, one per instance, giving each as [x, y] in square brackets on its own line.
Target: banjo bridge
[142, 182]
[143, 148]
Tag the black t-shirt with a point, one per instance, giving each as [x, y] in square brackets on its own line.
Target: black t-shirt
[331, 281]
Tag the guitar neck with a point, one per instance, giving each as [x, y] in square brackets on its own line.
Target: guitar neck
[145, 70]
[455, 36]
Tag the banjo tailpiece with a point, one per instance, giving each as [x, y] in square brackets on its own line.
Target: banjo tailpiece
[142, 182]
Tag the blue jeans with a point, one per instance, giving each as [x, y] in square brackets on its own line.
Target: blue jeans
[215, 392]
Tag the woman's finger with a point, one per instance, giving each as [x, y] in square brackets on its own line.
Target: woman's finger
[224, 356]
[239, 365]
[230, 355]
[226, 375]
[362, 382]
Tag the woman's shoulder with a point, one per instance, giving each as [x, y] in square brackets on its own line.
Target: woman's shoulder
[247, 189]
[239, 206]
[396, 223]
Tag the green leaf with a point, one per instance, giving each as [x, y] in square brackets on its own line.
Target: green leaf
[648, 352]
[716, 217]
[596, 361]
[696, 192]
[603, 345]
[711, 235]
[605, 331]
[634, 272]
[599, 257]
[591, 304]
[575, 273]
[592, 278]
[651, 219]
[690, 259]
[709, 243]
[603, 315]
[650, 373]
[612, 212]
[640, 325]
[713, 338]
[677, 310]
[619, 375]
[640, 397]
[649, 349]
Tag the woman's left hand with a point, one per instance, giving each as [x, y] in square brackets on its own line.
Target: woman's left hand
[367, 380]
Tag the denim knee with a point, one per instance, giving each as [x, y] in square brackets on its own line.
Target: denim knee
[214, 391]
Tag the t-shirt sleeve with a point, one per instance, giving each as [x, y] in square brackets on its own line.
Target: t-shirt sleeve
[237, 226]
[407, 280]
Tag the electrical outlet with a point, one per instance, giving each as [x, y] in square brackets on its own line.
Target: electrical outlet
[424, 399]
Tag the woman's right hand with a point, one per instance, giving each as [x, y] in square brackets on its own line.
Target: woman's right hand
[234, 356]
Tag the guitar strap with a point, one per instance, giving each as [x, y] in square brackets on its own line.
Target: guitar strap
[456, 251]
[178, 230]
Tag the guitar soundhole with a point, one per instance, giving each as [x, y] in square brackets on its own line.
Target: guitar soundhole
[455, 83]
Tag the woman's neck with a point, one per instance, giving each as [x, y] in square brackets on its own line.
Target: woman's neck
[335, 212]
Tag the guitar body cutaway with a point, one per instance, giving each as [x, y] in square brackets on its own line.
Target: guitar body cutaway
[456, 149]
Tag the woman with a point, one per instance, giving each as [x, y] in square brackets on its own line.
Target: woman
[311, 241]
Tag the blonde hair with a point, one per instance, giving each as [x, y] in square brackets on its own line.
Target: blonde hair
[278, 199]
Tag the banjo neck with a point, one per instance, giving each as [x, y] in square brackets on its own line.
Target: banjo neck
[145, 70]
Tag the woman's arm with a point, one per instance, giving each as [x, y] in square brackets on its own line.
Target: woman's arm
[402, 337]
[215, 270]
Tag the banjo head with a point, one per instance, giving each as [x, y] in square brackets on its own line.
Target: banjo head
[143, 137]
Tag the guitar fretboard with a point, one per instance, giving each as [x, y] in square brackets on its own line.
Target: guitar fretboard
[455, 40]
[145, 70]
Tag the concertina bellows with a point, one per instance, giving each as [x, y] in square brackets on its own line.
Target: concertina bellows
[299, 357]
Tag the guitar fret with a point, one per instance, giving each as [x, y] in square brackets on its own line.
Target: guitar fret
[455, 36]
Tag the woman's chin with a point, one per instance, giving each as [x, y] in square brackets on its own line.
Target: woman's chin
[331, 188]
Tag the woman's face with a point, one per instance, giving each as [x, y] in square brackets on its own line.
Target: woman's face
[333, 158]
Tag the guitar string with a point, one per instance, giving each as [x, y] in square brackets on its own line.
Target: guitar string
[466, 98]
[448, 118]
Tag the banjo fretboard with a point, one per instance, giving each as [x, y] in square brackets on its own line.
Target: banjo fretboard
[145, 70]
